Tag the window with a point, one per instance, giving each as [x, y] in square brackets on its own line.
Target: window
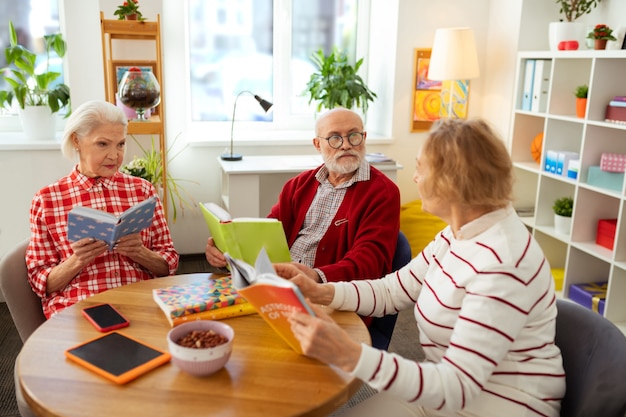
[264, 46]
[32, 20]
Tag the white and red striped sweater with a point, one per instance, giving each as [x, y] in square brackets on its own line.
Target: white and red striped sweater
[485, 310]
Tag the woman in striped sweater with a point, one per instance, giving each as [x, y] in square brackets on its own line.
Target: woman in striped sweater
[481, 291]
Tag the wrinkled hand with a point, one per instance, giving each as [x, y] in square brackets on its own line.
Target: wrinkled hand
[129, 245]
[213, 255]
[86, 250]
[323, 339]
[289, 270]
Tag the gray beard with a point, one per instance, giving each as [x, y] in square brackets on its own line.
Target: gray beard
[344, 167]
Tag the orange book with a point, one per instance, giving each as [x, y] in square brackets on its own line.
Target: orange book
[273, 297]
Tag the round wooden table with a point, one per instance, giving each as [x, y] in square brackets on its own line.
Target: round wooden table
[264, 376]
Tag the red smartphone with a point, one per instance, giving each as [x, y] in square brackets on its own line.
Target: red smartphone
[105, 317]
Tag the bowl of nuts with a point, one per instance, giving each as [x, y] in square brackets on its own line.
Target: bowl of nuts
[201, 347]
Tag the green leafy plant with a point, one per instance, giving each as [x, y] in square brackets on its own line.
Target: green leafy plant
[573, 9]
[602, 31]
[581, 91]
[128, 8]
[27, 87]
[336, 83]
[149, 167]
[563, 206]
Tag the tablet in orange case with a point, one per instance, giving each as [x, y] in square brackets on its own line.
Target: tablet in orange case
[117, 357]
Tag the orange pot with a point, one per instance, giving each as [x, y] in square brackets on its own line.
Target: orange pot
[581, 107]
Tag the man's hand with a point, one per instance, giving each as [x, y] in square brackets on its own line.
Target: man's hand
[213, 255]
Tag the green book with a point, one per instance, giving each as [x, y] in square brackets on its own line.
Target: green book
[243, 237]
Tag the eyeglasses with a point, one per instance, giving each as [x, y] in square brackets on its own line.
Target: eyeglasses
[354, 139]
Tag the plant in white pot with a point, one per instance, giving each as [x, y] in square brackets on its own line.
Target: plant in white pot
[33, 90]
[563, 208]
[336, 83]
[568, 30]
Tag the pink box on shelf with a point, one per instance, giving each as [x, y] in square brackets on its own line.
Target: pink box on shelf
[613, 162]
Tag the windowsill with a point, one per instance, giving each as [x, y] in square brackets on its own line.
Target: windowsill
[17, 141]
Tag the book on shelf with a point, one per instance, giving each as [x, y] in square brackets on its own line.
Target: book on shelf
[213, 299]
[527, 89]
[273, 297]
[244, 237]
[617, 103]
[83, 222]
[378, 158]
[540, 85]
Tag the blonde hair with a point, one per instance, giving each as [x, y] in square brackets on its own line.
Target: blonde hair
[469, 164]
[87, 117]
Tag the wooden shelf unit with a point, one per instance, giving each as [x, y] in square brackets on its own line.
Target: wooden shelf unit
[582, 259]
[137, 30]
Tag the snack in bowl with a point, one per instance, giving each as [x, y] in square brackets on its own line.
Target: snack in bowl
[200, 347]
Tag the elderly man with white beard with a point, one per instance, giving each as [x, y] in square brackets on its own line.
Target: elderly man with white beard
[342, 218]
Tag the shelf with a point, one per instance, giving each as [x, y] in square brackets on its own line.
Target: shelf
[582, 259]
[150, 126]
[115, 32]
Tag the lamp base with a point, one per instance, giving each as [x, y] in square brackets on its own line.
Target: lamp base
[227, 156]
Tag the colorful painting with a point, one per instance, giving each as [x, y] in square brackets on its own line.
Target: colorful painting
[433, 100]
[426, 93]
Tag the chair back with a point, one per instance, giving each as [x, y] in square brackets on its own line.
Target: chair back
[381, 328]
[24, 305]
[594, 358]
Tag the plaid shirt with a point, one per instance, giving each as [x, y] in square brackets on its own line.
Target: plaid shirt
[321, 213]
[49, 246]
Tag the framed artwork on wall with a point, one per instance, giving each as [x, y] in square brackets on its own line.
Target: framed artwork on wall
[426, 93]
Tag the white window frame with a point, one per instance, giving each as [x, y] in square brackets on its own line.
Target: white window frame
[283, 129]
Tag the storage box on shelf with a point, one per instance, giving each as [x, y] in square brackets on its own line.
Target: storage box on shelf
[587, 254]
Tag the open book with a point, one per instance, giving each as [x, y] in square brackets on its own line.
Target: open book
[244, 237]
[273, 297]
[85, 222]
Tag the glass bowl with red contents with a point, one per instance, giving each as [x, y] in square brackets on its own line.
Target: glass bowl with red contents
[201, 347]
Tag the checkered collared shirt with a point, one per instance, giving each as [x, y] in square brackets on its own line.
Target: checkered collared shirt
[49, 246]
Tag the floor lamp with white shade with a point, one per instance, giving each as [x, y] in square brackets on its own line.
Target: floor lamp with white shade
[454, 61]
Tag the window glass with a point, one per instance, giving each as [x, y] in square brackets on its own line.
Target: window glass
[239, 45]
[32, 20]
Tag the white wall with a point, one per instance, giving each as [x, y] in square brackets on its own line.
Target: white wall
[496, 24]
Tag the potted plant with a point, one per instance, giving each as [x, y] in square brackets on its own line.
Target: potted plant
[568, 29]
[32, 89]
[149, 167]
[336, 83]
[129, 10]
[601, 34]
[581, 100]
[563, 208]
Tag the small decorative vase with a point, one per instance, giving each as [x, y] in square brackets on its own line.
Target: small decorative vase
[139, 90]
[562, 224]
[132, 16]
[581, 107]
[599, 44]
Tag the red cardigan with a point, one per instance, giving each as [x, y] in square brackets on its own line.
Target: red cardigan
[361, 240]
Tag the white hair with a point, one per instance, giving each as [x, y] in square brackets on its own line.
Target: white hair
[87, 117]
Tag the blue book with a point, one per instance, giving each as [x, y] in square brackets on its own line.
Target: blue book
[617, 103]
[85, 222]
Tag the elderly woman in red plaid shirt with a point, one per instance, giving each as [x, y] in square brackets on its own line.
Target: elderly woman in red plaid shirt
[63, 272]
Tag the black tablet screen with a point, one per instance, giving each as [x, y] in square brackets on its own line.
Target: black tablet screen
[115, 353]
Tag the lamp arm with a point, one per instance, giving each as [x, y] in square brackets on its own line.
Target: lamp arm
[232, 123]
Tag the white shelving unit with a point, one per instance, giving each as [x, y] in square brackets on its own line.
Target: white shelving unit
[583, 260]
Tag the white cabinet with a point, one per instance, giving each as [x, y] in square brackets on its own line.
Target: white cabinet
[583, 260]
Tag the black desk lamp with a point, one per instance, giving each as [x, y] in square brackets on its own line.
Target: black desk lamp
[230, 156]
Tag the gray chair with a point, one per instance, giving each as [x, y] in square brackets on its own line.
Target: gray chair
[594, 358]
[381, 328]
[24, 305]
